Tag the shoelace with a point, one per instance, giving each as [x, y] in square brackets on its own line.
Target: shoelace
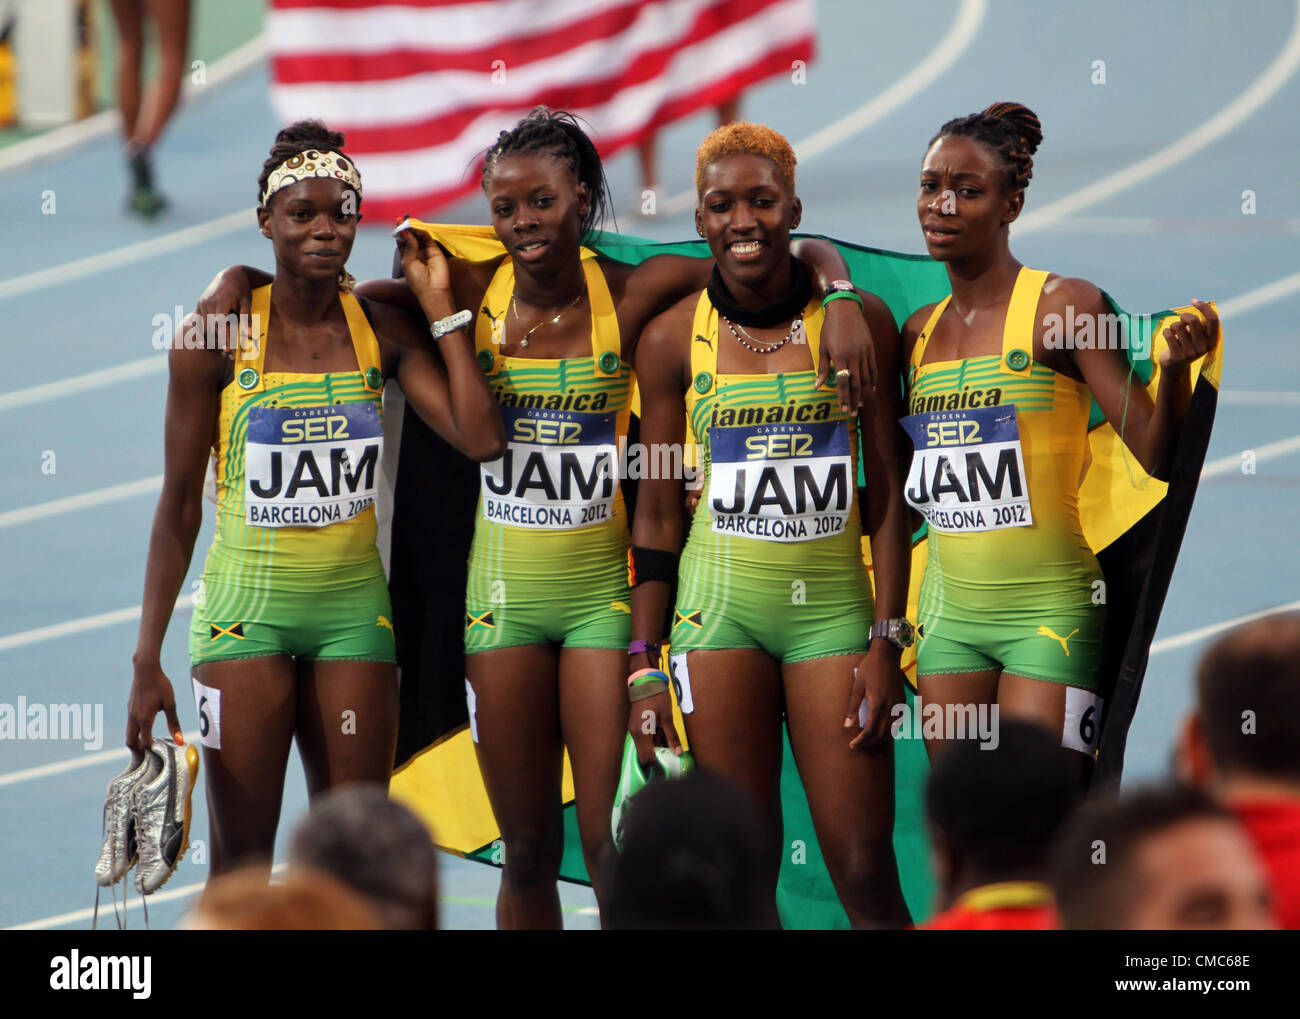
[140, 831]
[94, 923]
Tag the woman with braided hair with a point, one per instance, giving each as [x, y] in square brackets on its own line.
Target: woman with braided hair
[546, 610]
[998, 400]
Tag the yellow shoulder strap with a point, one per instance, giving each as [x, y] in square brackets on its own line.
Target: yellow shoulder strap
[249, 373]
[923, 338]
[704, 346]
[605, 337]
[814, 319]
[364, 342]
[1018, 332]
[490, 325]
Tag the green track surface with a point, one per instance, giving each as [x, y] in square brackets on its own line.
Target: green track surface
[217, 28]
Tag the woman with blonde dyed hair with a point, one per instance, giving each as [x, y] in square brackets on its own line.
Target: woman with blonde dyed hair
[774, 613]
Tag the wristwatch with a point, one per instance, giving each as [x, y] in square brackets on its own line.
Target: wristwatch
[898, 632]
[451, 323]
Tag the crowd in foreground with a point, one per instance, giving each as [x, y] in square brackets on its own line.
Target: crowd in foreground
[1015, 846]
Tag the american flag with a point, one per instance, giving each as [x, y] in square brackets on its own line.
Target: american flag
[422, 87]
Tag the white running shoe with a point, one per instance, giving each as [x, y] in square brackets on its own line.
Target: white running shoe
[161, 808]
[118, 853]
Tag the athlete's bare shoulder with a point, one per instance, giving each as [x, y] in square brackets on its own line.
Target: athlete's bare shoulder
[665, 343]
[1062, 292]
[912, 329]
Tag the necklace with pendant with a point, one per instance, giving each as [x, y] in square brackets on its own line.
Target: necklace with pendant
[550, 322]
[759, 346]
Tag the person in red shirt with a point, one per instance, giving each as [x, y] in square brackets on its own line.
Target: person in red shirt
[1160, 858]
[1242, 744]
[994, 808]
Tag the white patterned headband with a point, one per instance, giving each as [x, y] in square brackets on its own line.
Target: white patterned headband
[310, 164]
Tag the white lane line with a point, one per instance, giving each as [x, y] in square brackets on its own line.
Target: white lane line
[63, 139]
[128, 255]
[80, 383]
[960, 35]
[84, 761]
[75, 502]
[1231, 464]
[1259, 398]
[72, 626]
[1195, 636]
[1157, 225]
[133, 899]
[1260, 296]
[1227, 119]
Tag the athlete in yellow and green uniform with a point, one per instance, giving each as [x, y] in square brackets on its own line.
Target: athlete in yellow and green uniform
[778, 523]
[548, 562]
[291, 638]
[1013, 605]
[293, 568]
[772, 630]
[999, 446]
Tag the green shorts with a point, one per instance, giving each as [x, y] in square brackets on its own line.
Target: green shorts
[582, 603]
[1059, 645]
[345, 617]
[793, 615]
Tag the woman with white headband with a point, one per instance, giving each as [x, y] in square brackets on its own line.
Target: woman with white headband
[291, 632]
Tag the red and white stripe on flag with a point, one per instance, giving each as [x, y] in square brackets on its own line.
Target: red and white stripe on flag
[422, 87]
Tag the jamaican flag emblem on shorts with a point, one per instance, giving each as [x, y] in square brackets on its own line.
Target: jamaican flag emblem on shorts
[479, 620]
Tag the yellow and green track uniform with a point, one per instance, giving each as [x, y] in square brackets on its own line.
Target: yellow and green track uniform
[548, 564]
[999, 445]
[293, 568]
[774, 556]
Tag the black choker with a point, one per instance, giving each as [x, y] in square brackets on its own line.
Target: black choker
[769, 314]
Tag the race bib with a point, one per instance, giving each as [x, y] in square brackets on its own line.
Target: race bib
[559, 470]
[781, 482]
[968, 472]
[311, 466]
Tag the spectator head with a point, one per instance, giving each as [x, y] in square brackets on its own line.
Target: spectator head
[1158, 859]
[1246, 725]
[243, 901]
[692, 859]
[375, 846]
[993, 813]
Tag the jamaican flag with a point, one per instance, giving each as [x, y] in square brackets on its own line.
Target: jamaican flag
[1133, 522]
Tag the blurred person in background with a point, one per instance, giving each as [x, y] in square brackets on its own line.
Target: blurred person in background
[145, 113]
[994, 810]
[647, 151]
[1242, 744]
[692, 859]
[376, 847]
[243, 901]
[1159, 859]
